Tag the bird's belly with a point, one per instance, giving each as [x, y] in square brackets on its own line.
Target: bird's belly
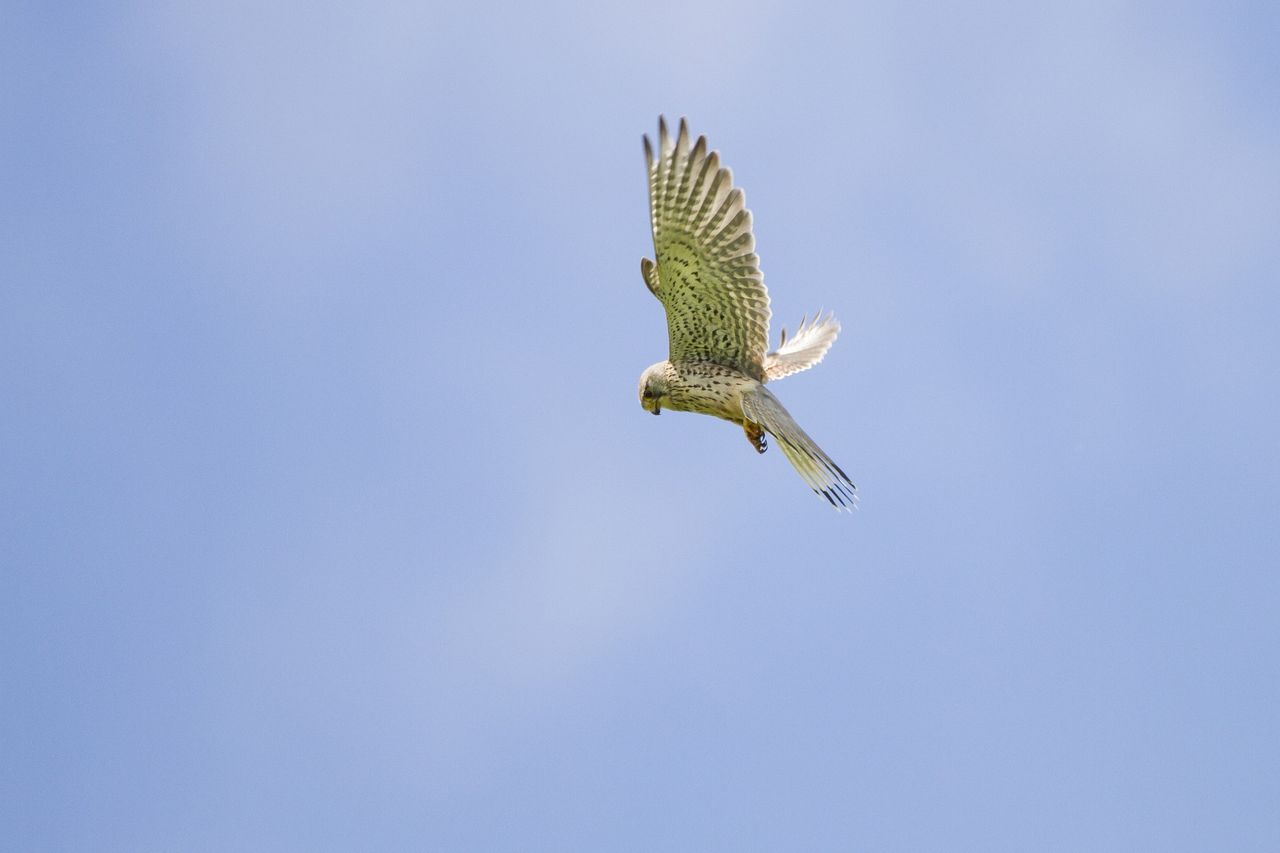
[711, 396]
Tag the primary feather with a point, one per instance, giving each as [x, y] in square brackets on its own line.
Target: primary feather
[707, 274]
[805, 349]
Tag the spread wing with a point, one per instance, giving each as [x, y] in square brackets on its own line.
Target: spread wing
[810, 344]
[707, 276]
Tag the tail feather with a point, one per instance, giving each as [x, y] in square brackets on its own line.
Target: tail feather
[810, 344]
[814, 466]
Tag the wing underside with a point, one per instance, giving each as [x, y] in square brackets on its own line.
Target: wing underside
[707, 274]
[803, 350]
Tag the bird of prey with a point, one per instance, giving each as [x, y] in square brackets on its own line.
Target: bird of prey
[707, 277]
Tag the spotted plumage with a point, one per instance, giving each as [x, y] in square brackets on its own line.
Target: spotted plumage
[707, 277]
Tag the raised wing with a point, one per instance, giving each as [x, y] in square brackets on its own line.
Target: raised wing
[707, 275]
[805, 349]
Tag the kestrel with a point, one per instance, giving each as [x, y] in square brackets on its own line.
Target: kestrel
[708, 279]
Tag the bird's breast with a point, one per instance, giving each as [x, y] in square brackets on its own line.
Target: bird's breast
[711, 390]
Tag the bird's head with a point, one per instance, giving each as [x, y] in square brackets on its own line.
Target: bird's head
[655, 387]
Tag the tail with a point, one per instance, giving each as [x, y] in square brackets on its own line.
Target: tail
[810, 344]
[817, 469]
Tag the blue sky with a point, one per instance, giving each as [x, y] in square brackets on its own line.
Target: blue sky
[331, 519]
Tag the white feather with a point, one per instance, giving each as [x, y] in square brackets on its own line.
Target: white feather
[810, 344]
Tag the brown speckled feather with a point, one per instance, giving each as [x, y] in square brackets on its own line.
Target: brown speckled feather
[707, 275]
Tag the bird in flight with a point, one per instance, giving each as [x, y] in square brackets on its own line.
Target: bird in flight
[707, 277]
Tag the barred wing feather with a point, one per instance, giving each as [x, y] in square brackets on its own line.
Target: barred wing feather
[707, 274]
[810, 344]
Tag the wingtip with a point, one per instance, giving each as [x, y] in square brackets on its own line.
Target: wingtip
[682, 139]
[699, 152]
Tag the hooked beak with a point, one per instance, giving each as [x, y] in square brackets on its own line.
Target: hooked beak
[657, 410]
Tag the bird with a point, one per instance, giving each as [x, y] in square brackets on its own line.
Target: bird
[707, 276]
